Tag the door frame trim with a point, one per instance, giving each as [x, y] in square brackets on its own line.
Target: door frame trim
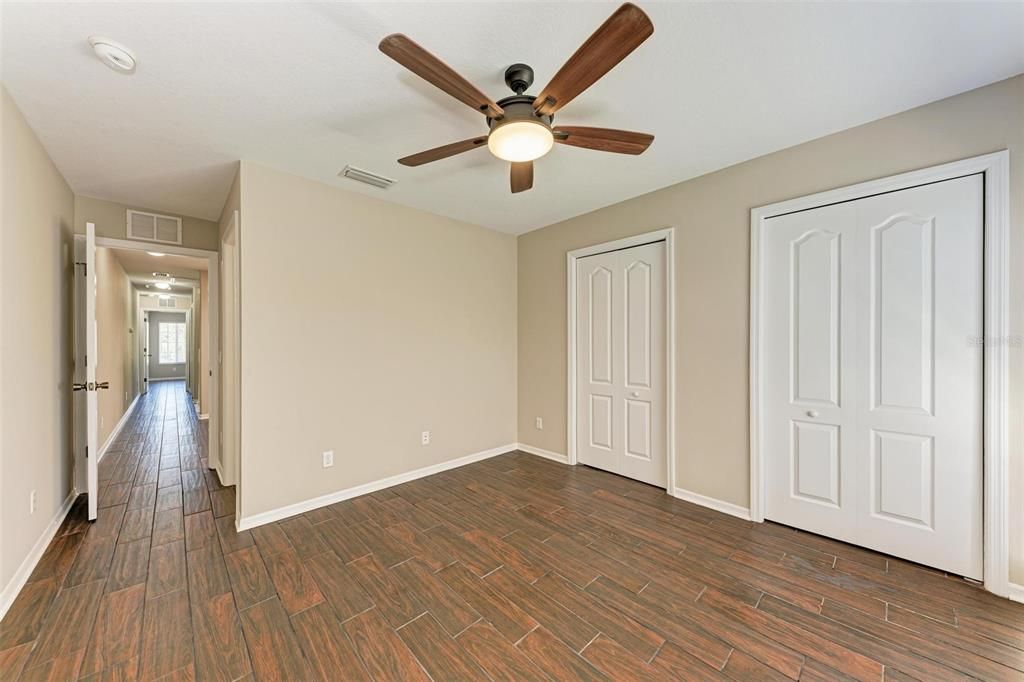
[213, 284]
[666, 235]
[996, 169]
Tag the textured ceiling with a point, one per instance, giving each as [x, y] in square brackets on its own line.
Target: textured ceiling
[302, 87]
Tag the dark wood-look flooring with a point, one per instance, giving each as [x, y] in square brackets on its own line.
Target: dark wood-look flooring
[514, 568]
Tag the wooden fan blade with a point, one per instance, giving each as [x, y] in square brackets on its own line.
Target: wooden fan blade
[438, 153]
[604, 139]
[521, 176]
[619, 35]
[437, 73]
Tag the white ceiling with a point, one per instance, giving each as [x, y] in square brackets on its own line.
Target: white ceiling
[140, 266]
[303, 88]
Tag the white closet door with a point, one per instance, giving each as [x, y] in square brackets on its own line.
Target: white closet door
[621, 367]
[873, 421]
[808, 403]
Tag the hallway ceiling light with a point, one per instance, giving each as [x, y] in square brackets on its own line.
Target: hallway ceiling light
[156, 253]
[116, 56]
[162, 285]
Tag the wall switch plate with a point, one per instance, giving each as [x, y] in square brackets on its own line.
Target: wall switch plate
[328, 458]
[425, 438]
[32, 502]
[540, 423]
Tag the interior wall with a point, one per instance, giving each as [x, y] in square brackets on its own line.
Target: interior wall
[111, 219]
[224, 427]
[157, 370]
[115, 341]
[711, 215]
[36, 276]
[364, 324]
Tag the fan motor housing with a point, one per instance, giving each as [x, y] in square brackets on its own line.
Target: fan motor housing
[518, 108]
[519, 77]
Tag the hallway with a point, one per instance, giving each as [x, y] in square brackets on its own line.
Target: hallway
[112, 597]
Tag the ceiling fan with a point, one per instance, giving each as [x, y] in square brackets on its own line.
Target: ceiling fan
[520, 125]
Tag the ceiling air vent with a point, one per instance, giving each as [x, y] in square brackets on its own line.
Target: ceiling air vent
[366, 177]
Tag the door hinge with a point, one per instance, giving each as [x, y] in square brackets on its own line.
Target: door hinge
[85, 267]
[86, 451]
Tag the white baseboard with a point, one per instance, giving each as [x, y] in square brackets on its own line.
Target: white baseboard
[203, 417]
[1016, 592]
[540, 452]
[712, 503]
[117, 429]
[246, 522]
[20, 577]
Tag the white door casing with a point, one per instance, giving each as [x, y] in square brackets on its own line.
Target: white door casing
[621, 369]
[873, 378]
[146, 354]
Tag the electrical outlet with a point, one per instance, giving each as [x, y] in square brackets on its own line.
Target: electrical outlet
[32, 502]
[540, 424]
[328, 458]
[425, 438]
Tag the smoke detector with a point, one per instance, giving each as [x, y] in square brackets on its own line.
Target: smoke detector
[113, 54]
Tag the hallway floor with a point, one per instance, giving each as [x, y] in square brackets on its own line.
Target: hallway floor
[512, 568]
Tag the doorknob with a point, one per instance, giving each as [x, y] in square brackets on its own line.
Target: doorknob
[102, 384]
[79, 387]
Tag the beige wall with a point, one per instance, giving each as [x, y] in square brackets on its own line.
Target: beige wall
[114, 305]
[226, 422]
[712, 219]
[111, 221]
[365, 323]
[36, 270]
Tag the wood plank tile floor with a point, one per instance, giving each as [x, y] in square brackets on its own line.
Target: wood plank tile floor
[513, 568]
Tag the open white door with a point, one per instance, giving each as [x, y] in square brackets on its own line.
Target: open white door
[85, 381]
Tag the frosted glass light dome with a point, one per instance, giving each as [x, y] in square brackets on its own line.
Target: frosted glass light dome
[522, 140]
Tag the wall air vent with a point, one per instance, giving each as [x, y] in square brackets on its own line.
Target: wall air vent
[153, 227]
[168, 303]
[366, 177]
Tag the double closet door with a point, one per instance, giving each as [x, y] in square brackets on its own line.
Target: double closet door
[621, 375]
[873, 377]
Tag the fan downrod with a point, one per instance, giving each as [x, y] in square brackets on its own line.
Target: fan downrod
[519, 77]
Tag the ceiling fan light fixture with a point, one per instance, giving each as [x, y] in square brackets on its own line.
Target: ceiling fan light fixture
[520, 140]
